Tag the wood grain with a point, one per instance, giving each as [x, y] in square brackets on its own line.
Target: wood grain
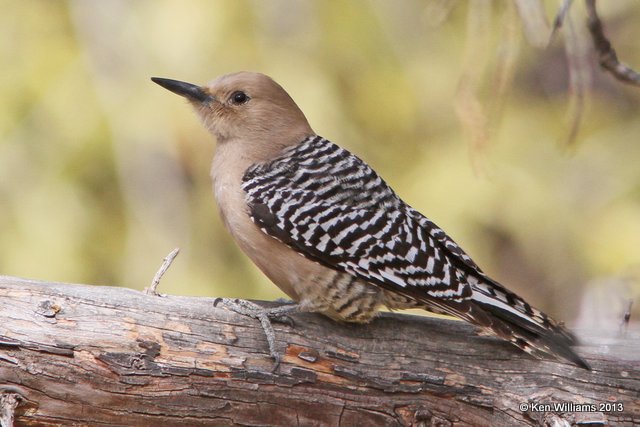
[93, 355]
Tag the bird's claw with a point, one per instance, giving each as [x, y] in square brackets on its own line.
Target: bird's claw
[264, 315]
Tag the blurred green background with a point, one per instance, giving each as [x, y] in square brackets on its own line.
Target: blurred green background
[457, 104]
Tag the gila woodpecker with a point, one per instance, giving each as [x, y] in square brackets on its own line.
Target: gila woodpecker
[330, 232]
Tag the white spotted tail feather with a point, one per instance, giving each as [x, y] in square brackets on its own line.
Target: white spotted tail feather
[328, 205]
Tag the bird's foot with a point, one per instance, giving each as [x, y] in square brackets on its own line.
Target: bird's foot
[264, 315]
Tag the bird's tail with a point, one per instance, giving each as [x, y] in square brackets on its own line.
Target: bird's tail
[502, 313]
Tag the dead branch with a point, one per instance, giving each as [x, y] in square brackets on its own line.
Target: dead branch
[607, 56]
[166, 263]
[90, 355]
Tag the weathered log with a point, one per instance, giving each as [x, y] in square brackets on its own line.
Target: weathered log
[92, 355]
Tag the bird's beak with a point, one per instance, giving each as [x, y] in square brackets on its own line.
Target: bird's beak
[190, 91]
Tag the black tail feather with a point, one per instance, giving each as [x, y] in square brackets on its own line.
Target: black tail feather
[532, 337]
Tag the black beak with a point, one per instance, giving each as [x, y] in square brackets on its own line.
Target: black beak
[188, 90]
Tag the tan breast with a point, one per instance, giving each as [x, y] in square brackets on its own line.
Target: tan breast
[286, 268]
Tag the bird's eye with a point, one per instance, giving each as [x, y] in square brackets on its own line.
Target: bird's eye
[238, 97]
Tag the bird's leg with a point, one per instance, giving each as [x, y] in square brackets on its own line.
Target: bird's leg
[264, 315]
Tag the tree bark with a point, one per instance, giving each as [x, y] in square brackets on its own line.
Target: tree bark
[94, 355]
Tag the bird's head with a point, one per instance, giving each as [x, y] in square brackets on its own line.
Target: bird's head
[247, 107]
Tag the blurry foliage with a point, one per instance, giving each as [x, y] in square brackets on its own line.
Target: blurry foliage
[102, 173]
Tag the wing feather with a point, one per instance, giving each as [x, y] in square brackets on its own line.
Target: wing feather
[370, 233]
[328, 205]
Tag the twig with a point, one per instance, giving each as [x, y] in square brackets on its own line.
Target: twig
[151, 290]
[468, 106]
[559, 19]
[533, 21]
[579, 79]
[626, 317]
[606, 53]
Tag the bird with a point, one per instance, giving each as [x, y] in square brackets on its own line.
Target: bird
[322, 225]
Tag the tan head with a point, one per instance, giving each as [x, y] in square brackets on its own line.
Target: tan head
[245, 107]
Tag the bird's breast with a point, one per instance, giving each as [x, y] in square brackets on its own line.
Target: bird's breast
[286, 268]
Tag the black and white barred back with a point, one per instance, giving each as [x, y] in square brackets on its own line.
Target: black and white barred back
[330, 206]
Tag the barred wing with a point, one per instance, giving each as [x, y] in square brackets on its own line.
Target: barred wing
[387, 247]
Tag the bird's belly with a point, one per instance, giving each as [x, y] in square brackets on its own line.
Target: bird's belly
[320, 289]
[343, 297]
